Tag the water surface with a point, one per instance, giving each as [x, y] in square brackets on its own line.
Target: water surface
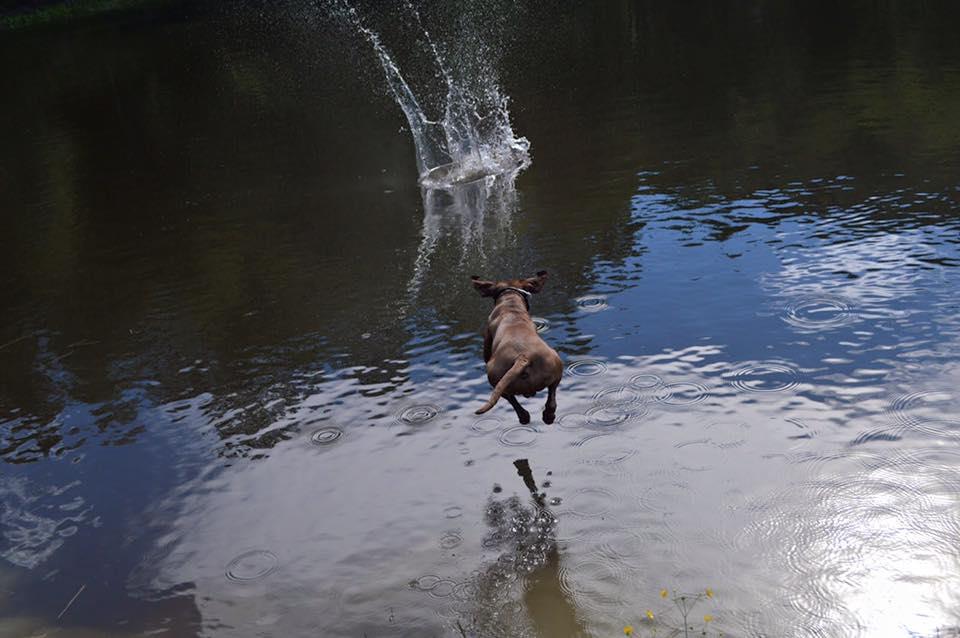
[240, 351]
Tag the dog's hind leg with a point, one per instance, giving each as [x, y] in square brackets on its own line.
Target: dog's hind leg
[487, 345]
[550, 409]
[522, 414]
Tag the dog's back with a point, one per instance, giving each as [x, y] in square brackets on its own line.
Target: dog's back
[518, 360]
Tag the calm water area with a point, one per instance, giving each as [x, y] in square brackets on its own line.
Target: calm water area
[240, 353]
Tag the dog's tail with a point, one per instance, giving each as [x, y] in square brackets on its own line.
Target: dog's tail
[514, 371]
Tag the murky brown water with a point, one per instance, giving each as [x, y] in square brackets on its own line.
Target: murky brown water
[240, 353]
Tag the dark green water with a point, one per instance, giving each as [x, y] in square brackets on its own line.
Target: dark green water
[240, 352]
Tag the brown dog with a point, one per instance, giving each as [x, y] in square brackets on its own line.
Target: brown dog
[518, 360]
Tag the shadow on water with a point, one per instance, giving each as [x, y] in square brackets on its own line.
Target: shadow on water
[525, 535]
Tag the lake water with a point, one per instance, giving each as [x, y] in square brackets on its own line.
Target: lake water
[240, 353]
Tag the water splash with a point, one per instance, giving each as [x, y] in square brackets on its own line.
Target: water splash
[472, 139]
[475, 215]
[468, 156]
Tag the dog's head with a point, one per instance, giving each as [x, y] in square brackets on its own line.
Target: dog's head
[493, 288]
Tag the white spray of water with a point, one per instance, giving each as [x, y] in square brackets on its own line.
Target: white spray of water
[475, 215]
[473, 139]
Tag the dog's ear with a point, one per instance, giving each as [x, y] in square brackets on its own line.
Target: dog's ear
[535, 284]
[484, 287]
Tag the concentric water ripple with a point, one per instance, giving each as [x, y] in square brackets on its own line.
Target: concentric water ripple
[614, 457]
[326, 436]
[623, 544]
[816, 609]
[857, 498]
[848, 520]
[937, 528]
[466, 591]
[587, 367]
[605, 416]
[943, 429]
[418, 414]
[591, 303]
[935, 428]
[818, 312]
[932, 403]
[541, 324]
[518, 436]
[450, 540]
[443, 588]
[617, 395]
[591, 437]
[875, 435]
[765, 377]
[252, 565]
[596, 584]
[933, 467]
[645, 381]
[666, 497]
[682, 393]
[572, 421]
[487, 425]
[591, 502]
[805, 432]
[425, 583]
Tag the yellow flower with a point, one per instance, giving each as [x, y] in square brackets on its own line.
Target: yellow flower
[628, 630]
[649, 614]
[664, 593]
[709, 593]
[707, 618]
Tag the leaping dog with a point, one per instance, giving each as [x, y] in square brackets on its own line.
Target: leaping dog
[518, 360]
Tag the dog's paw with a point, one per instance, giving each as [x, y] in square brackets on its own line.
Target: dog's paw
[524, 418]
[549, 417]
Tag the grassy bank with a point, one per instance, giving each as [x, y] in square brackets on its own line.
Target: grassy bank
[24, 17]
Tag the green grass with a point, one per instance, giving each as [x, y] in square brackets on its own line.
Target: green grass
[61, 12]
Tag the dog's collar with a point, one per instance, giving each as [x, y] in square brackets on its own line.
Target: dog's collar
[523, 293]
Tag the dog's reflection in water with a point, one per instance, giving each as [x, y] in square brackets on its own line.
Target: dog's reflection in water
[524, 530]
